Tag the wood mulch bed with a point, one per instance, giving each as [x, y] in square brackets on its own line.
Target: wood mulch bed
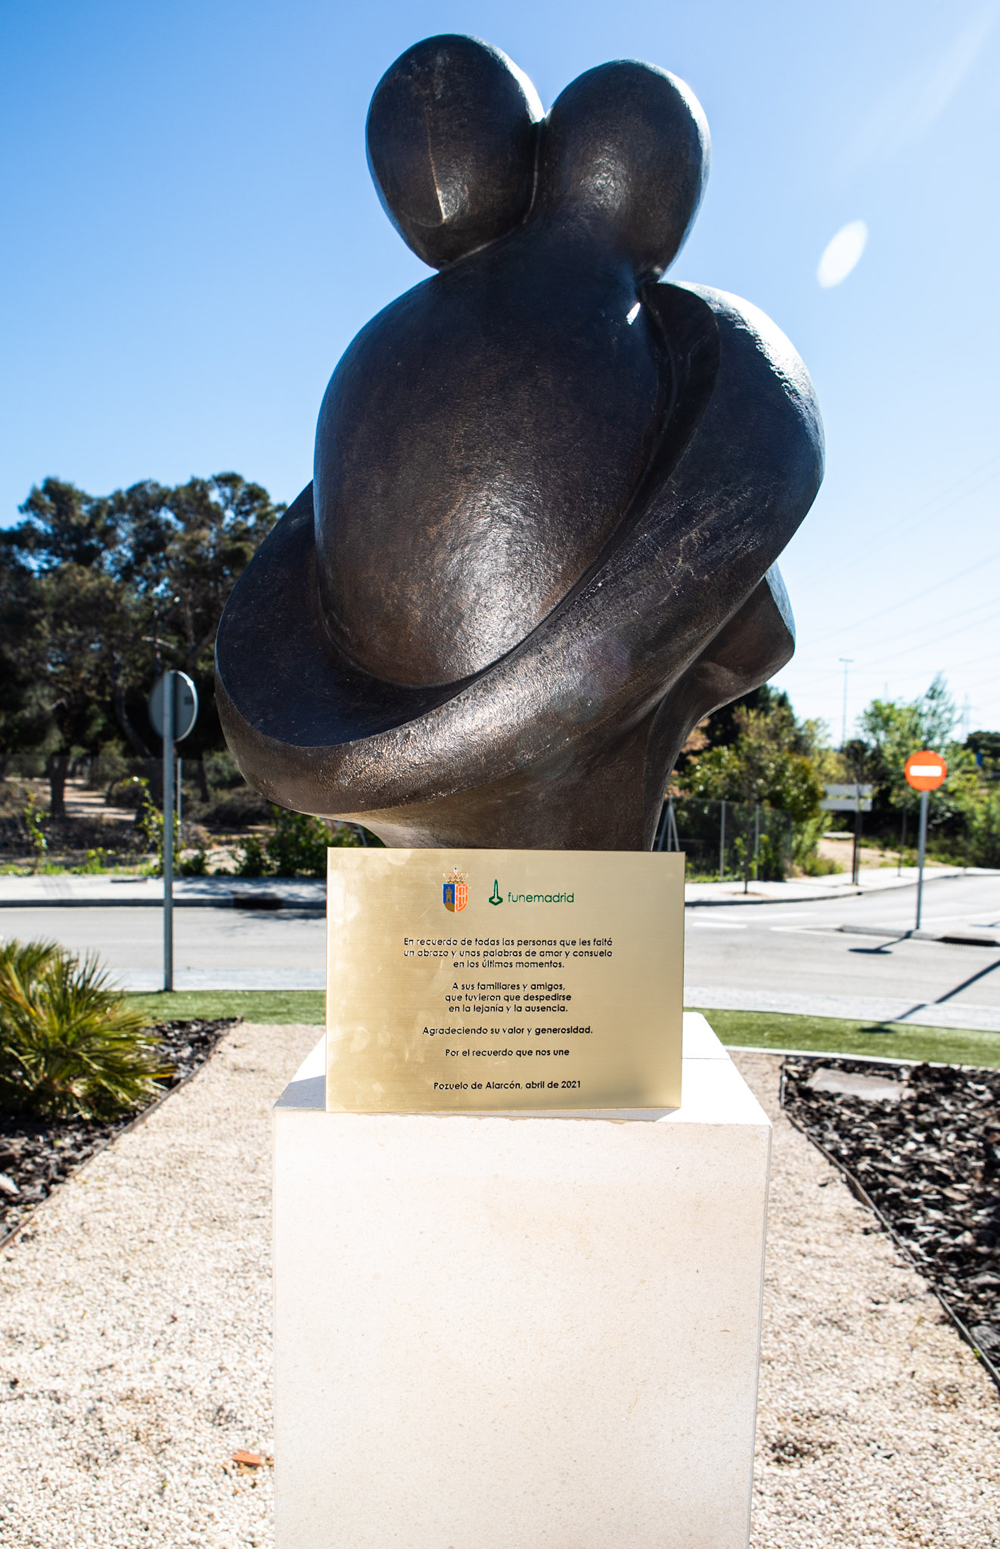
[38, 1154]
[920, 1144]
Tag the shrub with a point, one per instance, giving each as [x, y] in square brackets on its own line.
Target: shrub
[95, 863]
[296, 847]
[222, 770]
[68, 1045]
[36, 833]
[238, 809]
[805, 851]
[251, 860]
[130, 792]
[983, 831]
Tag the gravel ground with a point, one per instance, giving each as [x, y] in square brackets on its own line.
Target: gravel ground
[877, 1427]
[38, 1155]
[134, 1357]
[136, 1326]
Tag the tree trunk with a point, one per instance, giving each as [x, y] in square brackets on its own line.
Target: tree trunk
[56, 769]
[202, 778]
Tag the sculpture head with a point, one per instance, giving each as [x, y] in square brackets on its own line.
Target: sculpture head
[548, 491]
[625, 156]
[451, 146]
[460, 153]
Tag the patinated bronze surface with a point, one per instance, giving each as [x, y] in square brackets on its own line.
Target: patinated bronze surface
[549, 491]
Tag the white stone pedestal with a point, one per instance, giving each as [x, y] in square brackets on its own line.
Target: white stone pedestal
[500, 1332]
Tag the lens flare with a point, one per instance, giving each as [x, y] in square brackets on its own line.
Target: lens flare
[841, 254]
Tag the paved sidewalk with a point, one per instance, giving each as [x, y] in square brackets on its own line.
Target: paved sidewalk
[800, 890]
[310, 893]
[189, 892]
[140, 981]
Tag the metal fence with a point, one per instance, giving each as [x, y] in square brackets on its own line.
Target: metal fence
[725, 839]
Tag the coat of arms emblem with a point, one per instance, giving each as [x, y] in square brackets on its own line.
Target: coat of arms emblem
[455, 893]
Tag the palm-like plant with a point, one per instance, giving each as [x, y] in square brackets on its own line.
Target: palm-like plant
[69, 1046]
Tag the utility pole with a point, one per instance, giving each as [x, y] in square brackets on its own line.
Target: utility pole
[846, 661]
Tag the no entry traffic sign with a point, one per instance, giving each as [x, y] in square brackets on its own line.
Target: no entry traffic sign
[185, 704]
[925, 771]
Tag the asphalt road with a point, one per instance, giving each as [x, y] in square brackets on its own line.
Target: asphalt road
[766, 956]
[213, 948]
[772, 956]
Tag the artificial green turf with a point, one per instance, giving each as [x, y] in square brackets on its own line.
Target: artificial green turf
[837, 1035]
[252, 1005]
[762, 1029]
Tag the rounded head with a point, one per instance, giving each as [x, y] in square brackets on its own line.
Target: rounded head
[625, 156]
[451, 146]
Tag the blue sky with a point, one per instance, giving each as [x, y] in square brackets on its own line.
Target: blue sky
[192, 239]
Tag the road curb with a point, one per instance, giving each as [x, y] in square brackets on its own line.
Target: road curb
[949, 938]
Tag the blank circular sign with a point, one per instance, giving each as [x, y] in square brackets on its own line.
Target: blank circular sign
[185, 705]
[925, 771]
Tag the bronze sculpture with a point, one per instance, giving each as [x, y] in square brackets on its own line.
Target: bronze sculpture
[549, 491]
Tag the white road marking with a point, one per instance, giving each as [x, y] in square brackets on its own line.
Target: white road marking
[808, 930]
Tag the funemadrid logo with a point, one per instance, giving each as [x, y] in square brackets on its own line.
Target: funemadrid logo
[496, 897]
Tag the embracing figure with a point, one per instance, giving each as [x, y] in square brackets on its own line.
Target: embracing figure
[549, 490]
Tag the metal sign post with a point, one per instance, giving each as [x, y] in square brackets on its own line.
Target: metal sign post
[173, 710]
[924, 772]
[168, 831]
[850, 798]
[925, 797]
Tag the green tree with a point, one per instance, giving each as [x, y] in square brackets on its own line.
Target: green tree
[98, 595]
[891, 731]
[963, 814]
[62, 554]
[985, 748]
[767, 760]
[22, 717]
[759, 768]
[183, 551]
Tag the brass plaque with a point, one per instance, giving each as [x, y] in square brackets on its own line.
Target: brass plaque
[468, 980]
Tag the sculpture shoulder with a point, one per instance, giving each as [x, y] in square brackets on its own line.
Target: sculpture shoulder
[531, 298]
[757, 366]
[383, 334]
